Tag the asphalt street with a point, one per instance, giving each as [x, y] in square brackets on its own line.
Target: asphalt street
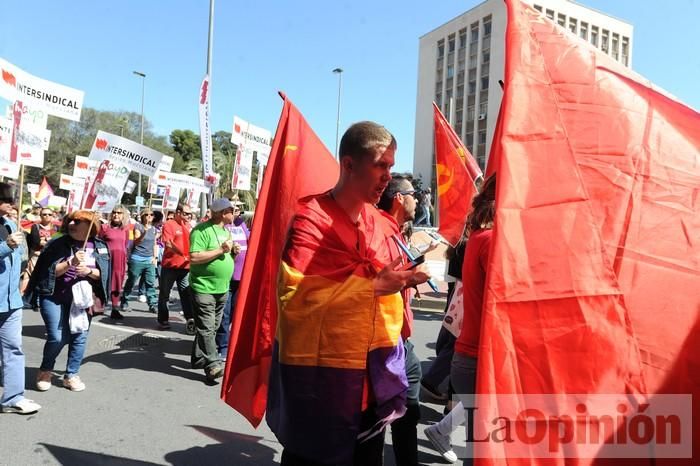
[143, 405]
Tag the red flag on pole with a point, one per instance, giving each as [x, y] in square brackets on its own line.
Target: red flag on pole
[457, 172]
[595, 261]
[299, 166]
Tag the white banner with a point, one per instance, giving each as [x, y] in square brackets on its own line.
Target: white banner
[193, 198]
[84, 167]
[205, 133]
[180, 181]
[107, 188]
[243, 169]
[21, 140]
[171, 198]
[57, 201]
[9, 169]
[129, 188]
[71, 183]
[125, 152]
[32, 188]
[166, 165]
[57, 99]
[252, 137]
[258, 185]
[5, 138]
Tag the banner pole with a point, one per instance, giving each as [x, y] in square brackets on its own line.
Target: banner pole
[87, 235]
[21, 188]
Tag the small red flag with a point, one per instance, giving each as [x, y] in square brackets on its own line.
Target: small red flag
[457, 172]
[299, 166]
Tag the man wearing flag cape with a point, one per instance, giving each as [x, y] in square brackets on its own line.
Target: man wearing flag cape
[338, 370]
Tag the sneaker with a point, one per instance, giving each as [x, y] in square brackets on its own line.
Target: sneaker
[124, 306]
[142, 298]
[441, 443]
[431, 392]
[164, 325]
[74, 384]
[214, 373]
[116, 315]
[43, 380]
[190, 327]
[153, 309]
[23, 407]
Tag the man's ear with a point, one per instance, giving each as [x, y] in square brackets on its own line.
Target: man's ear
[346, 163]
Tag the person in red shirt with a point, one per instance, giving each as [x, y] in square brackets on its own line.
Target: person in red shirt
[398, 206]
[175, 267]
[474, 267]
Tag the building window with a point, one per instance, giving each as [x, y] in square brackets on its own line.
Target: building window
[572, 25]
[473, 48]
[472, 87]
[594, 36]
[604, 41]
[451, 44]
[538, 8]
[485, 56]
[460, 66]
[462, 38]
[475, 32]
[483, 108]
[486, 43]
[450, 71]
[472, 74]
[484, 83]
[469, 140]
[458, 127]
[561, 20]
[472, 61]
[487, 26]
[470, 113]
[482, 136]
[441, 49]
[615, 46]
[625, 51]
[550, 14]
[438, 86]
[583, 31]
[438, 100]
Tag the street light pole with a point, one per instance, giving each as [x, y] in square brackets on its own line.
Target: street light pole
[339, 72]
[209, 198]
[143, 94]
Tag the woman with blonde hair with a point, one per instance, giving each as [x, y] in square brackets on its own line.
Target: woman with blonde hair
[71, 278]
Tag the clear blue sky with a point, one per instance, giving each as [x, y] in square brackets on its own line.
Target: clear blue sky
[263, 46]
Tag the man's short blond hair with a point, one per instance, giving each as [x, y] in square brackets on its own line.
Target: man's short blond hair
[363, 138]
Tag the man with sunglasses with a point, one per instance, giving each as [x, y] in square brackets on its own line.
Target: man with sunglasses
[12, 367]
[175, 267]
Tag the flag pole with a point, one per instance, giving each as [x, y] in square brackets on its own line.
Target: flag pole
[21, 188]
[87, 235]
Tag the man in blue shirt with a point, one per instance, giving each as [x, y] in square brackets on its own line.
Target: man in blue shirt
[11, 241]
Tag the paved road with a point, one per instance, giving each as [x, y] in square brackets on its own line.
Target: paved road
[144, 405]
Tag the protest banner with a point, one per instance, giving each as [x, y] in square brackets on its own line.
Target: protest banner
[125, 152]
[32, 189]
[9, 169]
[57, 201]
[84, 167]
[56, 99]
[107, 188]
[181, 181]
[129, 188]
[166, 165]
[251, 141]
[171, 197]
[205, 133]
[71, 183]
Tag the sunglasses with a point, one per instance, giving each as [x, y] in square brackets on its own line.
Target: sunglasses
[148, 215]
[407, 193]
[117, 212]
[47, 215]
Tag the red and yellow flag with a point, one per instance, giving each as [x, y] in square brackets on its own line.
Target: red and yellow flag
[595, 261]
[456, 172]
[299, 166]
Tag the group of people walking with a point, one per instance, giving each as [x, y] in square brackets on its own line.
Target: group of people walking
[74, 268]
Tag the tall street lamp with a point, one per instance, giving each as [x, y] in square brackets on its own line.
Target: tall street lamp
[143, 93]
[339, 72]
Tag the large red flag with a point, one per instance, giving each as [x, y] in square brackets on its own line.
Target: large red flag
[299, 166]
[457, 172]
[595, 262]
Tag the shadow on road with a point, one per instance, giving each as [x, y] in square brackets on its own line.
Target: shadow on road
[71, 456]
[427, 315]
[232, 448]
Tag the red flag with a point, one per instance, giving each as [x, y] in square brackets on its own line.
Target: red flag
[299, 166]
[595, 245]
[456, 172]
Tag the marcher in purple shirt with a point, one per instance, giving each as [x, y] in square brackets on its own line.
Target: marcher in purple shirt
[240, 234]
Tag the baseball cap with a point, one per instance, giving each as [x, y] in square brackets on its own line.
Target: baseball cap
[221, 204]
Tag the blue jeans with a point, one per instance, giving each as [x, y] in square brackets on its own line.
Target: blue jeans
[58, 334]
[146, 272]
[223, 333]
[12, 357]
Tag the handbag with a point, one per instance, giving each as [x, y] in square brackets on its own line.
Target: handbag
[455, 311]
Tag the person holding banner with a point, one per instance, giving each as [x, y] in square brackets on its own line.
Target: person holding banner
[72, 271]
[11, 355]
[211, 254]
[117, 235]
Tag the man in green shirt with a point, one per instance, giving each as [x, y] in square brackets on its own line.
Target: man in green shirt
[211, 268]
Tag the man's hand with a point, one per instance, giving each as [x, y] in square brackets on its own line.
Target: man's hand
[390, 280]
[15, 239]
[83, 270]
[226, 246]
[421, 276]
[236, 249]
